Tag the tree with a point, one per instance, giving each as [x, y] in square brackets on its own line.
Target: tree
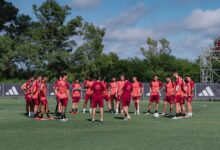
[88, 56]
[7, 13]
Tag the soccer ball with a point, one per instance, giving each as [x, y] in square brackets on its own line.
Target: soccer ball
[156, 115]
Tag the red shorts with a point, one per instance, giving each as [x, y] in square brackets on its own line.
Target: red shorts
[169, 99]
[178, 98]
[64, 102]
[97, 99]
[118, 98]
[35, 101]
[75, 99]
[155, 98]
[44, 102]
[183, 99]
[136, 98]
[189, 99]
[126, 103]
[106, 97]
[28, 99]
[58, 100]
[88, 97]
[113, 97]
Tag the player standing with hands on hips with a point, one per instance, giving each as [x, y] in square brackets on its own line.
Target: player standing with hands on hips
[155, 89]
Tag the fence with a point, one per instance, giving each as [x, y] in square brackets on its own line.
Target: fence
[202, 91]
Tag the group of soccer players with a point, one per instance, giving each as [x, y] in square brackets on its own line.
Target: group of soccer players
[116, 92]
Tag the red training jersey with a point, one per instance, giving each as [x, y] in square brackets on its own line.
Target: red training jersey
[170, 88]
[76, 89]
[155, 86]
[190, 88]
[136, 89]
[88, 84]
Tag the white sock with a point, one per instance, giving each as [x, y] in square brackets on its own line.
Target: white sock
[138, 111]
[84, 110]
[32, 114]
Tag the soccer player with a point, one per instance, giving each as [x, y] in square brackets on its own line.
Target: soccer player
[126, 98]
[190, 90]
[97, 98]
[120, 85]
[58, 106]
[35, 89]
[178, 92]
[26, 88]
[43, 99]
[106, 96]
[63, 95]
[136, 93]
[183, 98]
[169, 95]
[113, 92]
[88, 84]
[76, 95]
[155, 89]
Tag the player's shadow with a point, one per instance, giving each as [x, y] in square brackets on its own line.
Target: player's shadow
[24, 114]
[119, 118]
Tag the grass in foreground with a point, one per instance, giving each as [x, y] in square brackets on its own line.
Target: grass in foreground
[18, 132]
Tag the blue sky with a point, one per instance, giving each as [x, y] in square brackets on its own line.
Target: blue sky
[189, 25]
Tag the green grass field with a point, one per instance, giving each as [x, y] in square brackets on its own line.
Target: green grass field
[18, 132]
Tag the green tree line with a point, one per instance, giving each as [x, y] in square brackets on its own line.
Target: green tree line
[51, 44]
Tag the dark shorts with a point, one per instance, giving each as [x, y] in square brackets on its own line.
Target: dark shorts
[113, 97]
[183, 99]
[118, 98]
[28, 99]
[88, 97]
[58, 100]
[178, 98]
[44, 102]
[169, 99]
[97, 102]
[35, 101]
[136, 98]
[189, 99]
[155, 98]
[64, 102]
[75, 99]
[126, 103]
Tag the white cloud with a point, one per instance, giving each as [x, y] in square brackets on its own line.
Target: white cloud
[129, 34]
[83, 4]
[188, 36]
[201, 20]
[127, 17]
[191, 46]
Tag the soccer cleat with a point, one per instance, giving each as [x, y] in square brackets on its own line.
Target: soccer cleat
[64, 119]
[101, 120]
[93, 120]
[163, 114]
[128, 117]
[147, 113]
[84, 110]
[175, 118]
[138, 113]
[135, 113]
[125, 118]
[42, 119]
